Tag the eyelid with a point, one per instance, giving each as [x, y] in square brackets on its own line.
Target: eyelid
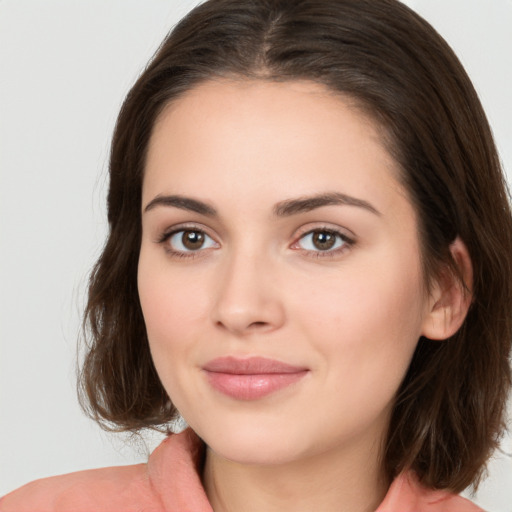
[325, 226]
[164, 234]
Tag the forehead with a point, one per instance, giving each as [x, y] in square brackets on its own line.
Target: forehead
[252, 137]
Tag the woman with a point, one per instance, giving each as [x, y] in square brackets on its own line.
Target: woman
[309, 259]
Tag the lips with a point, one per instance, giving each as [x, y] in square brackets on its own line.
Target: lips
[253, 378]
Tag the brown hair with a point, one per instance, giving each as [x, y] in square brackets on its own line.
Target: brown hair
[450, 409]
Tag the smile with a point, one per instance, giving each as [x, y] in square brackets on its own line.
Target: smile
[253, 378]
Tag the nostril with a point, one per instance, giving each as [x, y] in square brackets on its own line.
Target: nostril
[258, 324]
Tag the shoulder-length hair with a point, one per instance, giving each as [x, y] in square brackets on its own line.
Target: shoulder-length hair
[450, 409]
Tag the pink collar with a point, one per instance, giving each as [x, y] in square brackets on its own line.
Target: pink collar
[174, 473]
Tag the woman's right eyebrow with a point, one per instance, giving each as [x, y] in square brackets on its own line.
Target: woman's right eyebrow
[183, 203]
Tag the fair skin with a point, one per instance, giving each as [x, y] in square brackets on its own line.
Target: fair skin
[332, 287]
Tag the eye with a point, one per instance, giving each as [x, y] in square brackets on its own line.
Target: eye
[189, 240]
[322, 240]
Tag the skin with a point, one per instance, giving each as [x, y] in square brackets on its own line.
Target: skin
[259, 286]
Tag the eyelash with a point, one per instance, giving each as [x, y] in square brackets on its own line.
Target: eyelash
[346, 241]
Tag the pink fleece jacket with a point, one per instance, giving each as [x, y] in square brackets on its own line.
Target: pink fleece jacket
[170, 482]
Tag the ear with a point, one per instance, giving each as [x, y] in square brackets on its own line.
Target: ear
[450, 298]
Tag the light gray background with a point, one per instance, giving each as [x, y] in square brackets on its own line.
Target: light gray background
[65, 67]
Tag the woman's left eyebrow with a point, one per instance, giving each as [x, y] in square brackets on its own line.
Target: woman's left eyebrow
[306, 204]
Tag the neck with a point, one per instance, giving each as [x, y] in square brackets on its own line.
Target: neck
[333, 481]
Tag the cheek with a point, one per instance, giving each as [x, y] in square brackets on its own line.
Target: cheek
[172, 307]
[173, 313]
[367, 322]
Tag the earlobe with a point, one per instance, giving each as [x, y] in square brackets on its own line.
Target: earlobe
[450, 297]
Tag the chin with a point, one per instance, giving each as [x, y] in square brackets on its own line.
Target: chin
[255, 442]
[256, 452]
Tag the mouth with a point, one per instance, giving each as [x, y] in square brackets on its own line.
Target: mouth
[252, 378]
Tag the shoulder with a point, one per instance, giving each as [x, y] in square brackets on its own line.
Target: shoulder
[169, 481]
[107, 489]
[407, 494]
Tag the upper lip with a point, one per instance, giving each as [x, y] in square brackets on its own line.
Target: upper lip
[250, 366]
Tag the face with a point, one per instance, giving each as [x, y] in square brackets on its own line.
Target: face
[279, 274]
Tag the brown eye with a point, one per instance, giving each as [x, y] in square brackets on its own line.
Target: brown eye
[323, 240]
[190, 240]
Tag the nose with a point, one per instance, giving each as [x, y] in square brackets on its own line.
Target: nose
[248, 298]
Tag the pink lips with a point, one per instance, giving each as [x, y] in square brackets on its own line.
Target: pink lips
[252, 378]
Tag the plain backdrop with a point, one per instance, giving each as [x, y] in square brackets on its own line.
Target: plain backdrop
[65, 67]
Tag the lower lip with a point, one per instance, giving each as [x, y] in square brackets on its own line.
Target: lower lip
[254, 386]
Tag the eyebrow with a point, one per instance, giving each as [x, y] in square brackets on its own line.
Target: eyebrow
[306, 204]
[282, 209]
[183, 203]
